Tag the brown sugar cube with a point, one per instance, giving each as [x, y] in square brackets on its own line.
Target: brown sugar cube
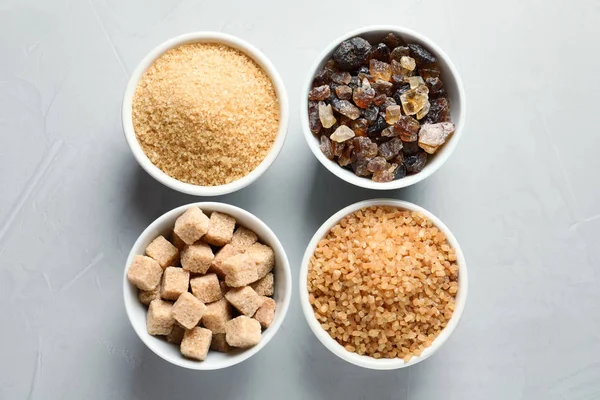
[264, 258]
[264, 286]
[266, 312]
[197, 258]
[216, 316]
[243, 238]
[144, 272]
[252, 265]
[175, 281]
[206, 288]
[220, 229]
[239, 270]
[177, 242]
[176, 334]
[163, 251]
[245, 300]
[188, 310]
[159, 320]
[191, 225]
[195, 343]
[217, 263]
[219, 343]
[146, 296]
[243, 332]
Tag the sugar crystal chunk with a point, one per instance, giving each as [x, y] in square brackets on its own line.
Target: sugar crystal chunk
[380, 70]
[388, 132]
[326, 115]
[414, 81]
[364, 147]
[360, 126]
[392, 40]
[421, 55]
[342, 78]
[413, 100]
[376, 164]
[391, 148]
[408, 63]
[407, 128]
[371, 113]
[342, 134]
[432, 136]
[363, 96]
[343, 92]
[386, 175]
[380, 52]
[392, 114]
[382, 87]
[314, 121]
[319, 93]
[438, 112]
[360, 167]
[423, 112]
[351, 53]
[346, 108]
[399, 52]
[415, 163]
[325, 147]
[348, 156]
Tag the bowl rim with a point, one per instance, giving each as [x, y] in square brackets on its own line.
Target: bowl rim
[366, 361]
[205, 37]
[431, 167]
[268, 334]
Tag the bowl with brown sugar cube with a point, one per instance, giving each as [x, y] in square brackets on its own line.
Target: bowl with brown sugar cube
[383, 284]
[205, 113]
[206, 285]
[383, 107]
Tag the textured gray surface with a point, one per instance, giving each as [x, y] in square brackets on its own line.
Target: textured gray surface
[520, 193]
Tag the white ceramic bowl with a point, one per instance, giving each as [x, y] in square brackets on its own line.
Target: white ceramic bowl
[366, 361]
[136, 311]
[452, 84]
[205, 37]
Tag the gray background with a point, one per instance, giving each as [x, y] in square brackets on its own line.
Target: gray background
[520, 193]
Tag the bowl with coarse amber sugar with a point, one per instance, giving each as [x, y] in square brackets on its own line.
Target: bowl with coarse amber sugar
[205, 113]
[317, 285]
[397, 169]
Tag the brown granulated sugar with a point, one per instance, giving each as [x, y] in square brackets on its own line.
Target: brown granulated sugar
[383, 282]
[205, 114]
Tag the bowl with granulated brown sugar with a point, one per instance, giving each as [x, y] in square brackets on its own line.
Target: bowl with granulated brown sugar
[383, 284]
[205, 113]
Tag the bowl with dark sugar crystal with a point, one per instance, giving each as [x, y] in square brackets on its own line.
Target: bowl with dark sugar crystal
[391, 172]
